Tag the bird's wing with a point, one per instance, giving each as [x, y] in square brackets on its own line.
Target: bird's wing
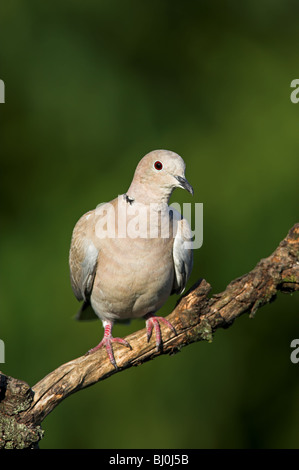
[83, 259]
[85, 249]
[182, 254]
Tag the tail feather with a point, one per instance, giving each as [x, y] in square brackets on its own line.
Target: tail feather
[86, 313]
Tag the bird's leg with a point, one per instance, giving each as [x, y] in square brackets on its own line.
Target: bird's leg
[154, 322]
[107, 342]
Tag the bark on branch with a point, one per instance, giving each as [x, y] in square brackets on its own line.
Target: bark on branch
[196, 317]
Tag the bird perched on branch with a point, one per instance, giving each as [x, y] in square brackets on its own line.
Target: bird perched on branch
[128, 256]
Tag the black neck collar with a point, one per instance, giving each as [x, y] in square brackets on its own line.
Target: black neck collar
[128, 199]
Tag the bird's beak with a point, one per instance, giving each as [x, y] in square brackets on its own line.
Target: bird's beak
[184, 184]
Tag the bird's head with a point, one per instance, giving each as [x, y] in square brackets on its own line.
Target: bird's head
[157, 174]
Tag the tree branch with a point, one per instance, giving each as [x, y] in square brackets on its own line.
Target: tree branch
[196, 317]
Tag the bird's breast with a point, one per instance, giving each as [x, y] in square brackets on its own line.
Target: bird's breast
[134, 276]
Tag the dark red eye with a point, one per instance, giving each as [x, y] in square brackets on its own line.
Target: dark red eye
[158, 165]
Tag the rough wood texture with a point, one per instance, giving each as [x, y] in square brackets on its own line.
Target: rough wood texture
[16, 397]
[195, 318]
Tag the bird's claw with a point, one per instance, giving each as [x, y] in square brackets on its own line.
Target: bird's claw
[154, 322]
[107, 343]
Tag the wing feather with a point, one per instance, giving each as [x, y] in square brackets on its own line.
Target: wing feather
[182, 254]
[83, 258]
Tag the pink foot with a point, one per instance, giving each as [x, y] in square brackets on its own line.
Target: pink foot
[107, 342]
[153, 322]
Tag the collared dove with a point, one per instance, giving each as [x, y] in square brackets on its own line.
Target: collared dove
[128, 256]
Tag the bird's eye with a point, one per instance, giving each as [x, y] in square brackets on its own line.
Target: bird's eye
[158, 165]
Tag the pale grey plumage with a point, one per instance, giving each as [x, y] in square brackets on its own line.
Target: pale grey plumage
[125, 277]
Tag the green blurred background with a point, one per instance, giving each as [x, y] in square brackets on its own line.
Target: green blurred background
[90, 88]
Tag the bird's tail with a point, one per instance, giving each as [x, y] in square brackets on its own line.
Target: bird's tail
[86, 312]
